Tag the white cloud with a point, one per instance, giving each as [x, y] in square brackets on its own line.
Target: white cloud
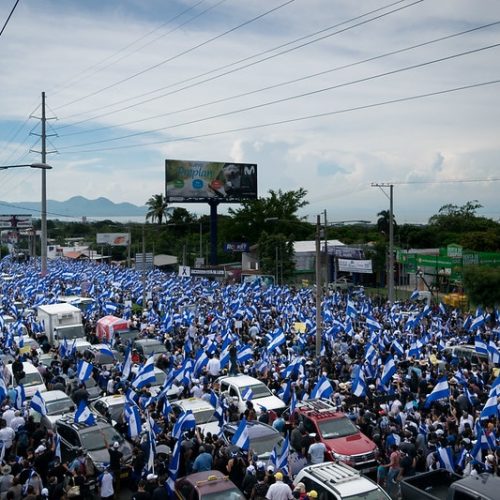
[452, 136]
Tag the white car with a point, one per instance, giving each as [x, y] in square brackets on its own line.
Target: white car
[337, 481]
[203, 413]
[32, 380]
[57, 404]
[236, 387]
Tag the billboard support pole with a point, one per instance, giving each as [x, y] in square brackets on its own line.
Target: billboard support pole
[213, 231]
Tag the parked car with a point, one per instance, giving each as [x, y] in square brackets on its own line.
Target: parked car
[235, 386]
[146, 347]
[203, 413]
[337, 481]
[263, 438]
[209, 485]
[32, 380]
[110, 407]
[343, 440]
[90, 438]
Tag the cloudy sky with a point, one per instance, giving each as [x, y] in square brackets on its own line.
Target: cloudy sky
[327, 95]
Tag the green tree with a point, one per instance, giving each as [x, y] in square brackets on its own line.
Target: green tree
[482, 285]
[383, 222]
[276, 255]
[157, 208]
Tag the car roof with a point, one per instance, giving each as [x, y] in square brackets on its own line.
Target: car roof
[115, 399]
[56, 395]
[193, 404]
[147, 341]
[255, 429]
[211, 481]
[27, 367]
[241, 380]
[69, 419]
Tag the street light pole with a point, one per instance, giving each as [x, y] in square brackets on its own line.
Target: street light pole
[318, 285]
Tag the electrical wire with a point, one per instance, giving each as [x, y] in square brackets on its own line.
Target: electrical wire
[289, 98]
[8, 18]
[278, 85]
[448, 181]
[295, 120]
[200, 75]
[4, 204]
[176, 56]
[96, 68]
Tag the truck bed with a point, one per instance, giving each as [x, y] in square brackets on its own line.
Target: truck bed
[433, 485]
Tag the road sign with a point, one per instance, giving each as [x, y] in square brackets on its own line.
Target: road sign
[141, 260]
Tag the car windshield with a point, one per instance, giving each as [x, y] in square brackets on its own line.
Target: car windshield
[92, 438]
[58, 406]
[31, 379]
[259, 391]
[336, 428]
[264, 445]
[232, 494]
[153, 348]
[204, 416]
[116, 411]
[160, 377]
[377, 494]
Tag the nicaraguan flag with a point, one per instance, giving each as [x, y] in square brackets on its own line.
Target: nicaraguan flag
[477, 322]
[490, 408]
[84, 370]
[398, 348]
[323, 389]
[293, 403]
[173, 469]
[241, 439]
[480, 345]
[440, 391]
[282, 458]
[245, 353]
[446, 460]
[201, 362]
[57, 448]
[372, 323]
[185, 421]
[83, 414]
[127, 364]
[167, 408]
[493, 353]
[415, 295]
[351, 310]
[146, 374]
[20, 397]
[3, 389]
[38, 404]
[388, 371]
[359, 386]
[247, 394]
[277, 340]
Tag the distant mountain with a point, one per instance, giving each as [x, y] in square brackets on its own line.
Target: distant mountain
[77, 207]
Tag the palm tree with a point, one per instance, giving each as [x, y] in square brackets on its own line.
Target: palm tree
[157, 208]
[383, 222]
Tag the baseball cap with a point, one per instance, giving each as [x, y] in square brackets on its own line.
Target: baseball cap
[313, 494]
[278, 476]
[116, 444]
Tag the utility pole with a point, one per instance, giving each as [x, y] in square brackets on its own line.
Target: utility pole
[327, 260]
[318, 285]
[390, 260]
[143, 267]
[43, 220]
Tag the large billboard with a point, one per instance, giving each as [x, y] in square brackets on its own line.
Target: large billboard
[15, 221]
[113, 239]
[195, 181]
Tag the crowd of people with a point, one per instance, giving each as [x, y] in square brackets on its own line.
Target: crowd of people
[390, 367]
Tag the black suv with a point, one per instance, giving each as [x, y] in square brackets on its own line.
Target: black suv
[89, 438]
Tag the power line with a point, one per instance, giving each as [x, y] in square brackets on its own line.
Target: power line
[187, 51]
[278, 85]
[200, 75]
[289, 98]
[8, 18]
[96, 68]
[3, 204]
[294, 120]
[448, 181]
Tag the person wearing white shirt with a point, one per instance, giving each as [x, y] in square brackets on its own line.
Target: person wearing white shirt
[8, 415]
[7, 436]
[213, 366]
[279, 490]
[107, 490]
[17, 421]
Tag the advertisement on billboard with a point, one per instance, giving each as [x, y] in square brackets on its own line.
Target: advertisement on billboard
[113, 239]
[355, 266]
[198, 181]
[15, 221]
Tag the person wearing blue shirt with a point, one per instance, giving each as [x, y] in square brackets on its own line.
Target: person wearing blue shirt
[203, 461]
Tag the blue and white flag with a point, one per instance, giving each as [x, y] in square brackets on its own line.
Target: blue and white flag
[146, 374]
[20, 397]
[185, 422]
[415, 295]
[245, 353]
[134, 421]
[57, 447]
[84, 370]
[200, 362]
[83, 415]
[277, 339]
[351, 310]
[38, 404]
[490, 408]
[359, 385]
[440, 391]
[445, 456]
[127, 364]
[173, 469]
[493, 353]
[477, 322]
[480, 345]
[247, 394]
[323, 389]
[241, 437]
[372, 323]
[388, 371]
[282, 458]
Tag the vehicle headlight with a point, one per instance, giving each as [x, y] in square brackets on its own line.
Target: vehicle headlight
[342, 458]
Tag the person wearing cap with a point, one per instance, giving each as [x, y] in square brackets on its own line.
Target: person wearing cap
[115, 459]
[312, 494]
[249, 481]
[279, 490]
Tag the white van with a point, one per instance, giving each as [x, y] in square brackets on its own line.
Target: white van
[32, 380]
